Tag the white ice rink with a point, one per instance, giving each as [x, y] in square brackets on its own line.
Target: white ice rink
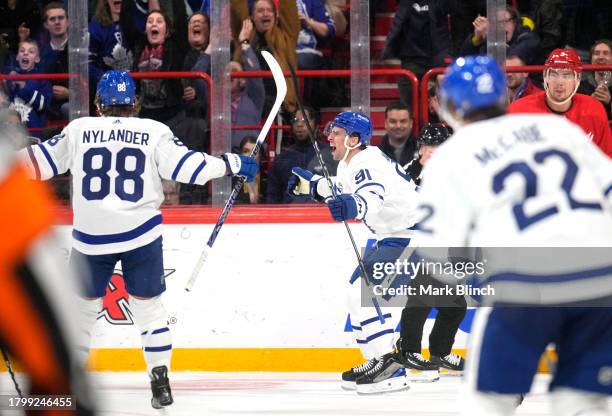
[264, 394]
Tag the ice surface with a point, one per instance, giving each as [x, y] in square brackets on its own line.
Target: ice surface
[197, 393]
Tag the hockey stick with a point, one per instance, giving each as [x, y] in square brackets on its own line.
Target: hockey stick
[9, 367]
[315, 145]
[281, 91]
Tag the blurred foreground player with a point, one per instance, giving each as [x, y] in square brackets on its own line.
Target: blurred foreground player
[562, 73]
[37, 326]
[373, 188]
[117, 163]
[524, 180]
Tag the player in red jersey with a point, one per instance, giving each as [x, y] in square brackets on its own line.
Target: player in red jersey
[561, 79]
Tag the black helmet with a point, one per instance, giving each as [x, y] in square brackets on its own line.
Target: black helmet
[434, 134]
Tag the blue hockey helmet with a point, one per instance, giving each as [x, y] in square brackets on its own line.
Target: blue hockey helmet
[116, 88]
[353, 123]
[471, 83]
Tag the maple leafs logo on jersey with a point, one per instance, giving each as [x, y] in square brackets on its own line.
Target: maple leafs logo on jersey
[22, 108]
[115, 303]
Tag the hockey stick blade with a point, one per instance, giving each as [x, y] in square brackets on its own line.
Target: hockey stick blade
[281, 91]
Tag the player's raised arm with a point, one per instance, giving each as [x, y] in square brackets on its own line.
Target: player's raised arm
[178, 163]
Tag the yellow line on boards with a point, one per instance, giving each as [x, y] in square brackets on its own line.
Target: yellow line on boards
[240, 359]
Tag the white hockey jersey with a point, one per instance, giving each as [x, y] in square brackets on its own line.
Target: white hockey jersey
[117, 165]
[522, 181]
[386, 195]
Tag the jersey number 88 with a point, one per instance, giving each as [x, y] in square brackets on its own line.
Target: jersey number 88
[124, 175]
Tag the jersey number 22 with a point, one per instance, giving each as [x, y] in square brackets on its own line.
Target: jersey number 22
[531, 189]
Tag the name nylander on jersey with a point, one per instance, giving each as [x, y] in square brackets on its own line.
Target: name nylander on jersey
[117, 165]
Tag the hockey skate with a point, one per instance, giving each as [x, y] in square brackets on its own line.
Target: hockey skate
[160, 387]
[387, 375]
[349, 377]
[419, 369]
[451, 364]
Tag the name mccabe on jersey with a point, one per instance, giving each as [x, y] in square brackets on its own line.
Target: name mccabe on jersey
[505, 143]
[118, 135]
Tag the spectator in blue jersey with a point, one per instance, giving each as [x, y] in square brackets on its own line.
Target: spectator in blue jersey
[54, 56]
[316, 26]
[301, 154]
[108, 48]
[29, 98]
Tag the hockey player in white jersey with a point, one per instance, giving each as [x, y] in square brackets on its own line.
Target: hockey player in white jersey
[117, 163]
[525, 181]
[374, 189]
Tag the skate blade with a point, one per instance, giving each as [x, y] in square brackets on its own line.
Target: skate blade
[385, 386]
[422, 376]
[445, 372]
[348, 385]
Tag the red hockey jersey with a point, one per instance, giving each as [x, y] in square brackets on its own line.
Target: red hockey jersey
[586, 112]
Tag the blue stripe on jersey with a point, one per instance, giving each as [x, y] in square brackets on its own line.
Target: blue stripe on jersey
[119, 237]
[158, 349]
[34, 162]
[374, 336]
[197, 171]
[378, 195]
[48, 156]
[370, 184]
[554, 278]
[607, 191]
[374, 319]
[180, 164]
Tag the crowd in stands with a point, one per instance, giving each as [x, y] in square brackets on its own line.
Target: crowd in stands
[174, 35]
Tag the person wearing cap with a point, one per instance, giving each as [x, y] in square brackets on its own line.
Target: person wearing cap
[562, 73]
